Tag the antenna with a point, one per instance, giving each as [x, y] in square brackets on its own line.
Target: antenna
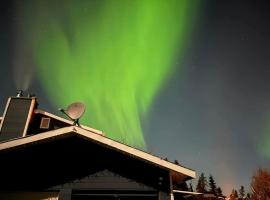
[74, 111]
[19, 93]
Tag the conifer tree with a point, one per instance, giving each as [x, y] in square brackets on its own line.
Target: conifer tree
[234, 195]
[219, 192]
[202, 183]
[212, 185]
[242, 192]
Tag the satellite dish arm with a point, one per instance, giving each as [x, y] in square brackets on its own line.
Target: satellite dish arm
[75, 121]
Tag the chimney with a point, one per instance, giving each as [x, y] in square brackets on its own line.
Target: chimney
[16, 117]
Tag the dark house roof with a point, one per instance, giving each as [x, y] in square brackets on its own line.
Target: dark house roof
[67, 152]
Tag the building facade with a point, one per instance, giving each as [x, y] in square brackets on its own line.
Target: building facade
[44, 156]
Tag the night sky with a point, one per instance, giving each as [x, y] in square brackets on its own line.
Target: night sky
[213, 112]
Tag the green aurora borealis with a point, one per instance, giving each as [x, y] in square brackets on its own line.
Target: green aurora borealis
[112, 55]
[183, 79]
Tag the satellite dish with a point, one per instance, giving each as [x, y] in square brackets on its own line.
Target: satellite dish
[74, 111]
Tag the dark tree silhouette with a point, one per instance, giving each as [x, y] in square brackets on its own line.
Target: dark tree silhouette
[202, 183]
[242, 192]
[234, 195]
[248, 197]
[219, 192]
[212, 185]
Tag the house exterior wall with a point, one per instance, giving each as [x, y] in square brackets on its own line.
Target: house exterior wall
[29, 195]
[108, 185]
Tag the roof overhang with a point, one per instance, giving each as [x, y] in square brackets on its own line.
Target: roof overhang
[70, 150]
[88, 135]
[187, 192]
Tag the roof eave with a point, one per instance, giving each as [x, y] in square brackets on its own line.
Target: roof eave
[97, 138]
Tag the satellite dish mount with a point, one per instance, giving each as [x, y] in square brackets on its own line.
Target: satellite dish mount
[74, 112]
